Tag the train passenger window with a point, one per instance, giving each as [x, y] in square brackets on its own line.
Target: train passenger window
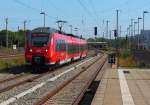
[73, 48]
[60, 45]
[57, 45]
[70, 48]
[63, 47]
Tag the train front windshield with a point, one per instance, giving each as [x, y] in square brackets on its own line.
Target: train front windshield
[40, 40]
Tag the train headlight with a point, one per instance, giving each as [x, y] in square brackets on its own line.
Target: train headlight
[30, 50]
[46, 50]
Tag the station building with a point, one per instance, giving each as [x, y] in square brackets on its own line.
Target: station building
[97, 45]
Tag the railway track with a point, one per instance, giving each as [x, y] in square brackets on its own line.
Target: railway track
[15, 77]
[19, 81]
[10, 83]
[71, 91]
[15, 81]
[10, 79]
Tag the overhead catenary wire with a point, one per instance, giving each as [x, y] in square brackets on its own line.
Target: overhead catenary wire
[25, 5]
[30, 7]
[54, 6]
[86, 10]
[58, 11]
[111, 9]
[94, 11]
[47, 15]
[93, 8]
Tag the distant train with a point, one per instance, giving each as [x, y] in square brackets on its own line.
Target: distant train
[48, 46]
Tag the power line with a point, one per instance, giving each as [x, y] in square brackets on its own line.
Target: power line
[25, 5]
[28, 6]
[53, 5]
[113, 8]
[92, 6]
[57, 9]
[94, 11]
[85, 9]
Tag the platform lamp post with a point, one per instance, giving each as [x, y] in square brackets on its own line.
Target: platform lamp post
[60, 24]
[130, 37]
[127, 37]
[134, 39]
[134, 27]
[44, 14]
[117, 36]
[25, 29]
[139, 18]
[144, 12]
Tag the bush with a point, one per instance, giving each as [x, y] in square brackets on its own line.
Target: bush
[142, 64]
[11, 62]
[125, 53]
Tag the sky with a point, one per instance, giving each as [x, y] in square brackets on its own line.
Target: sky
[81, 14]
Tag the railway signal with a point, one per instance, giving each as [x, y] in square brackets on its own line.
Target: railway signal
[115, 33]
[95, 31]
[126, 37]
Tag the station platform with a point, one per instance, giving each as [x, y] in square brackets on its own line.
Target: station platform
[124, 87]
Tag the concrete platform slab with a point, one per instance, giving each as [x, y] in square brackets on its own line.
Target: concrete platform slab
[124, 87]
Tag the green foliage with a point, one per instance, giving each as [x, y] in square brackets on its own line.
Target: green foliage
[91, 40]
[17, 37]
[11, 62]
[142, 64]
[120, 42]
[125, 53]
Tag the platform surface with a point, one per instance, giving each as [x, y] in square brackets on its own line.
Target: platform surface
[124, 87]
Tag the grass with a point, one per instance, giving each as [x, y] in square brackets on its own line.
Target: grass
[11, 62]
[126, 59]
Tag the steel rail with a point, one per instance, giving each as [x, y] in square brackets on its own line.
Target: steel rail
[62, 85]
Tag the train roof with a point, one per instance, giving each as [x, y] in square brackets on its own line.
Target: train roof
[52, 30]
[44, 30]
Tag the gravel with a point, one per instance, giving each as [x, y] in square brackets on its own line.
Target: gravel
[29, 99]
[5, 76]
[69, 93]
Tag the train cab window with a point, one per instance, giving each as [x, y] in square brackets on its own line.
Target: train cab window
[40, 40]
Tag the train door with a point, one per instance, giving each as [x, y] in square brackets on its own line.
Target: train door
[66, 45]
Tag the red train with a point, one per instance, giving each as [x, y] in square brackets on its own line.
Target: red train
[46, 46]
